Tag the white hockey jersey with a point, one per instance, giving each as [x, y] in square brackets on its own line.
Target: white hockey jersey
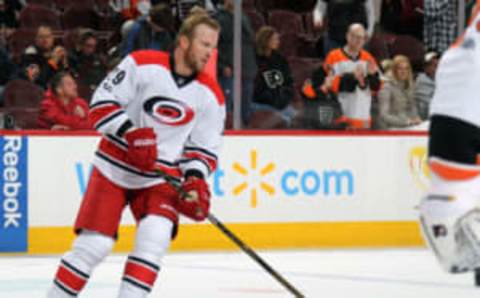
[187, 115]
[458, 77]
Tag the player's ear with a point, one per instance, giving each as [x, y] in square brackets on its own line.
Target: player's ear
[183, 42]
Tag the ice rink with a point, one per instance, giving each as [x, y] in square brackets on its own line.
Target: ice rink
[318, 273]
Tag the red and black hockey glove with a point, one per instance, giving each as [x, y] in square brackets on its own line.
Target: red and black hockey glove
[197, 202]
[142, 148]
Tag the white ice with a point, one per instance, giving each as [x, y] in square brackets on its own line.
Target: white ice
[405, 273]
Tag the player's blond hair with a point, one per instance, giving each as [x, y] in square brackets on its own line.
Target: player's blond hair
[195, 19]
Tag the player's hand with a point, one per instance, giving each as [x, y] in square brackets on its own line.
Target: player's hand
[142, 148]
[197, 202]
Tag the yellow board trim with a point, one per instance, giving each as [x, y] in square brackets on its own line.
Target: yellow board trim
[52, 240]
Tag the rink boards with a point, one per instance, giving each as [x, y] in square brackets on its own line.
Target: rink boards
[275, 190]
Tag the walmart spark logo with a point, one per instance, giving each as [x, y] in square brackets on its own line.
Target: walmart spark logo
[253, 171]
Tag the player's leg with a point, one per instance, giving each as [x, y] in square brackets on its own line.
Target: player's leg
[450, 212]
[97, 224]
[157, 218]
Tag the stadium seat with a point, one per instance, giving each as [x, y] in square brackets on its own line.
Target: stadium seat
[22, 94]
[380, 45]
[248, 4]
[33, 16]
[289, 44]
[412, 48]
[20, 39]
[46, 3]
[256, 19]
[266, 5]
[286, 21]
[23, 118]
[80, 16]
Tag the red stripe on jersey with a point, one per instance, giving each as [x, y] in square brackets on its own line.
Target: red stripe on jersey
[212, 163]
[140, 273]
[97, 114]
[212, 84]
[146, 57]
[70, 279]
[113, 150]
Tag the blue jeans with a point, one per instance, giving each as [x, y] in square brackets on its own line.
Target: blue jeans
[247, 93]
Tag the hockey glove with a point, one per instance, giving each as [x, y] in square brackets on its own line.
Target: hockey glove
[142, 148]
[197, 202]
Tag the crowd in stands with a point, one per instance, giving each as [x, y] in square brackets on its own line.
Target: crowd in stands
[313, 64]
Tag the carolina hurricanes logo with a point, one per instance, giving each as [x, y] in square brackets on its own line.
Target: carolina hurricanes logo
[168, 111]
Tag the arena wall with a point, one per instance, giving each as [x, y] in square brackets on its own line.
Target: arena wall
[276, 190]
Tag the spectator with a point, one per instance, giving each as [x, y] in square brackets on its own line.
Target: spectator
[84, 61]
[339, 15]
[9, 10]
[182, 7]
[425, 84]
[6, 71]
[356, 76]
[154, 31]
[439, 24]
[402, 17]
[397, 106]
[225, 58]
[321, 109]
[61, 108]
[131, 9]
[273, 89]
[49, 58]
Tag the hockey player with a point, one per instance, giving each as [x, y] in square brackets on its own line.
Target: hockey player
[450, 214]
[156, 110]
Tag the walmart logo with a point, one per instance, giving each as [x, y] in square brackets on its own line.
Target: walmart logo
[240, 188]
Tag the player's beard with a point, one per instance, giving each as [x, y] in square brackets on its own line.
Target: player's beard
[191, 62]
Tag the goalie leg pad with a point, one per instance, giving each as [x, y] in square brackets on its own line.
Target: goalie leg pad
[451, 227]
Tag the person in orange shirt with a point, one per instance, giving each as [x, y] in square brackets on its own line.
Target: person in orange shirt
[62, 108]
[356, 77]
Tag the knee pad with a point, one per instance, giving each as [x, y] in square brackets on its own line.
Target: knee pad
[89, 249]
[153, 238]
[451, 228]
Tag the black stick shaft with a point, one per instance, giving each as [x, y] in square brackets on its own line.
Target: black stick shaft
[244, 247]
[249, 251]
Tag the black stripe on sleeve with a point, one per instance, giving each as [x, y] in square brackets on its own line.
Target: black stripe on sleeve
[123, 128]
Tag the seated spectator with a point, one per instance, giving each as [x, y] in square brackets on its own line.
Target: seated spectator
[273, 88]
[397, 106]
[84, 61]
[50, 58]
[61, 108]
[425, 84]
[356, 76]
[321, 108]
[154, 31]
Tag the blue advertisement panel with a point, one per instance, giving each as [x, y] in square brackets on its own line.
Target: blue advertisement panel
[13, 197]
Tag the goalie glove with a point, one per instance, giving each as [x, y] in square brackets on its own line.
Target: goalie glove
[196, 203]
[142, 148]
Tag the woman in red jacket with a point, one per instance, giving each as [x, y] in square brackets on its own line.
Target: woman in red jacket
[62, 108]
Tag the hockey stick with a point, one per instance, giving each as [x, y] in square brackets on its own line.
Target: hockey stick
[243, 246]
